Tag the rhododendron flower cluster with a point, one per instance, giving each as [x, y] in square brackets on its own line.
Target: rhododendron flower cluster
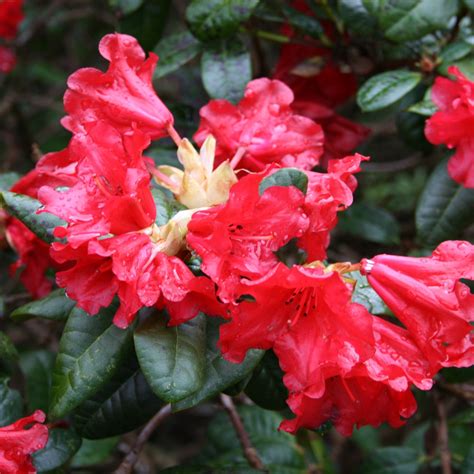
[11, 14]
[247, 194]
[19, 440]
[452, 125]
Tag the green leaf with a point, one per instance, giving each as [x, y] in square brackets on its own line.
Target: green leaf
[175, 51]
[426, 108]
[461, 440]
[90, 352]
[386, 88]
[166, 205]
[219, 374]
[24, 208]
[285, 177]
[370, 223]
[56, 307]
[94, 451]
[392, 460]
[226, 69]
[126, 6]
[444, 209]
[211, 19]
[357, 18]
[277, 450]
[8, 353]
[454, 51]
[122, 405]
[365, 295]
[305, 23]
[469, 4]
[468, 283]
[467, 466]
[412, 19]
[266, 387]
[7, 180]
[172, 359]
[11, 405]
[61, 447]
[465, 417]
[147, 23]
[38, 368]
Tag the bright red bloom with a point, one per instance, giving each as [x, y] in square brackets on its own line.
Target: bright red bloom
[7, 59]
[238, 238]
[11, 15]
[350, 401]
[453, 123]
[264, 126]
[426, 294]
[18, 442]
[123, 95]
[328, 193]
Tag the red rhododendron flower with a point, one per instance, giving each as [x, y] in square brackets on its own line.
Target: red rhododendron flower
[11, 15]
[238, 238]
[426, 294]
[264, 128]
[328, 193]
[453, 124]
[19, 440]
[7, 59]
[349, 402]
[123, 95]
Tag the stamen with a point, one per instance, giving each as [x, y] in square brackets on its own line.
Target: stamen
[174, 135]
[348, 390]
[237, 157]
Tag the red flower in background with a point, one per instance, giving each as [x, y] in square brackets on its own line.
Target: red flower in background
[263, 126]
[328, 193]
[238, 238]
[19, 440]
[426, 294]
[453, 124]
[123, 95]
[7, 59]
[11, 15]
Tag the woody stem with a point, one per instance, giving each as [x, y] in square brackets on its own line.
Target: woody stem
[249, 451]
[174, 135]
[127, 464]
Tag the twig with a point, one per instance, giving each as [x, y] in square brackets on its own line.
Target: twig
[462, 390]
[393, 166]
[443, 437]
[250, 452]
[131, 458]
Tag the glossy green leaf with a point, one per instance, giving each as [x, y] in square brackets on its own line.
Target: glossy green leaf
[307, 24]
[385, 89]
[147, 23]
[7, 180]
[370, 223]
[122, 405]
[444, 209]
[126, 6]
[37, 366]
[365, 295]
[266, 387]
[61, 447]
[211, 19]
[90, 352]
[94, 451]
[56, 307]
[426, 108]
[172, 359]
[24, 208]
[226, 69]
[11, 405]
[219, 373]
[412, 19]
[356, 16]
[285, 177]
[277, 450]
[467, 467]
[175, 51]
[8, 353]
[166, 205]
[391, 461]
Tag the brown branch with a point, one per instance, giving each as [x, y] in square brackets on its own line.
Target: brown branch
[131, 458]
[250, 452]
[443, 437]
[462, 390]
